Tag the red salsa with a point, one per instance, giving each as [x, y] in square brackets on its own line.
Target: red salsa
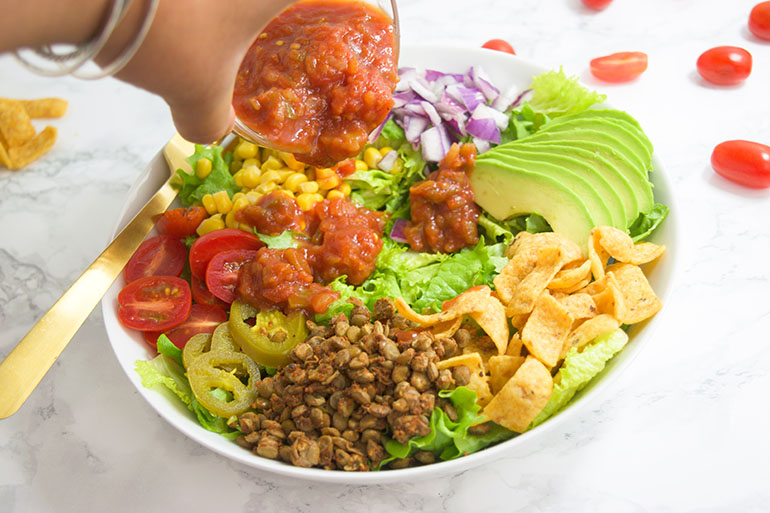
[444, 216]
[319, 79]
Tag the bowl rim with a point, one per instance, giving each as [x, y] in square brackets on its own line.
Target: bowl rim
[150, 179]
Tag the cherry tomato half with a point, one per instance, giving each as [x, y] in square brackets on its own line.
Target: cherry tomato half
[181, 222]
[202, 319]
[202, 295]
[222, 272]
[597, 4]
[725, 65]
[500, 45]
[743, 162]
[205, 247]
[163, 255]
[154, 303]
[619, 67]
[759, 20]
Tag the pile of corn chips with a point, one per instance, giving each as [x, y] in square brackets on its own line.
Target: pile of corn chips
[556, 299]
[19, 145]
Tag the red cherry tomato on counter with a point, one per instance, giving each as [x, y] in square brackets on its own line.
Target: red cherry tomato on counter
[157, 256]
[202, 319]
[743, 162]
[205, 247]
[202, 295]
[181, 222]
[597, 4]
[619, 67]
[759, 20]
[222, 272]
[725, 65]
[500, 45]
[154, 303]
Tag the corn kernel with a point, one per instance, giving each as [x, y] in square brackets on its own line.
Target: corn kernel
[203, 168]
[334, 194]
[253, 196]
[292, 182]
[230, 221]
[308, 187]
[385, 150]
[210, 224]
[245, 150]
[238, 177]
[269, 176]
[209, 204]
[238, 195]
[286, 193]
[241, 203]
[291, 162]
[307, 200]
[267, 187]
[251, 176]
[345, 188]
[283, 174]
[271, 163]
[398, 165]
[329, 182]
[372, 157]
[324, 172]
[223, 202]
[361, 165]
[250, 162]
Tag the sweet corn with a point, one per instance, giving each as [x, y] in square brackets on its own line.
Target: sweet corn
[286, 193]
[230, 221]
[307, 200]
[203, 168]
[210, 224]
[237, 196]
[238, 178]
[240, 203]
[245, 150]
[209, 204]
[385, 150]
[361, 165]
[270, 176]
[292, 182]
[266, 188]
[283, 174]
[329, 182]
[345, 188]
[250, 162]
[271, 163]
[251, 176]
[324, 172]
[253, 196]
[223, 202]
[372, 157]
[308, 187]
[334, 194]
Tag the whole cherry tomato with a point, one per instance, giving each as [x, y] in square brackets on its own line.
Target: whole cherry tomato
[597, 4]
[759, 20]
[725, 65]
[619, 67]
[500, 45]
[743, 162]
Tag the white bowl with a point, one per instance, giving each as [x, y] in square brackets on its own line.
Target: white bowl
[505, 70]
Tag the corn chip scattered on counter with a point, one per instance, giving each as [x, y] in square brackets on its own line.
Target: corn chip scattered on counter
[19, 143]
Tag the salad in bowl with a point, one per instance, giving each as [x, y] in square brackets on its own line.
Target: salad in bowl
[490, 259]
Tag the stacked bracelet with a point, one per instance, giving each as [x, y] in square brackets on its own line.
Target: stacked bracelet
[71, 62]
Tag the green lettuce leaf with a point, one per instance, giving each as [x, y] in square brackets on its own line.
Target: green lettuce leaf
[645, 224]
[193, 188]
[392, 135]
[556, 94]
[167, 348]
[287, 239]
[579, 369]
[450, 439]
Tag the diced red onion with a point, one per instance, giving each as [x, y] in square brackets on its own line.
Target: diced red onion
[413, 127]
[484, 128]
[483, 84]
[481, 145]
[432, 113]
[397, 232]
[435, 143]
[521, 97]
[420, 87]
[504, 101]
[377, 131]
[387, 161]
[485, 112]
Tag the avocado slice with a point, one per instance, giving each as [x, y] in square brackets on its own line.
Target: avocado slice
[620, 130]
[614, 117]
[505, 190]
[615, 177]
[640, 185]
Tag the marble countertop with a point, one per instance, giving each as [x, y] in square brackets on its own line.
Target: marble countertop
[682, 429]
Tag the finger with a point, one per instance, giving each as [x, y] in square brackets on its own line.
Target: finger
[203, 123]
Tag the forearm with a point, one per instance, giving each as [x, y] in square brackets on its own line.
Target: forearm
[31, 23]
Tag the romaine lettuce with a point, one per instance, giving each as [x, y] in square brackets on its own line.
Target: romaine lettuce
[193, 188]
[556, 94]
[645, 224]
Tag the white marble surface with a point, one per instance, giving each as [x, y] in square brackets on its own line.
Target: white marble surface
[684, 428]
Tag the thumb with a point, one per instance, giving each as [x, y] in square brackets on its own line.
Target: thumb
[205, 121]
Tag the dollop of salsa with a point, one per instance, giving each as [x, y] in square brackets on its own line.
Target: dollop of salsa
[444, 215]
[335, 238]
[319, 79]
